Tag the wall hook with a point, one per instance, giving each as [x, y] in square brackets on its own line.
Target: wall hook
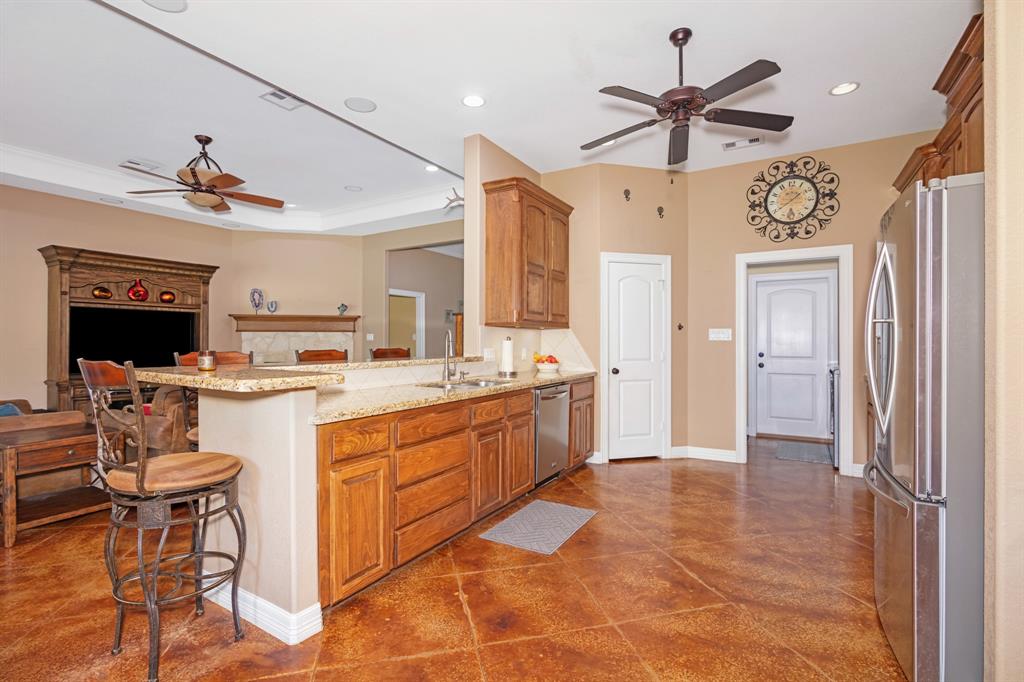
[661, 212]
[625, 193]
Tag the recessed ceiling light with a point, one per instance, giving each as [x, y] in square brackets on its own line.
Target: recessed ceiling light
[353, 188]
[609, 143]
[361, 104]
[473, 101]
[174, 6]
[289, 205]
[431, 168]
[230, 224]
[110, 200]
[844, 88]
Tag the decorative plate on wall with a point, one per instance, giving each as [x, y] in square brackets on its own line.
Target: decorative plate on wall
[793, 199]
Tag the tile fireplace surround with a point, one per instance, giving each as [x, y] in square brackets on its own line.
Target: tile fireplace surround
[277, 347]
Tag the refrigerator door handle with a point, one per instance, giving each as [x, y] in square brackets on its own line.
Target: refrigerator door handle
[869, 481]
[883, 268]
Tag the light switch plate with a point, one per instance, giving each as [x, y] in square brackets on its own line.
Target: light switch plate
[489, 354]
[369, 337]
[715, 334]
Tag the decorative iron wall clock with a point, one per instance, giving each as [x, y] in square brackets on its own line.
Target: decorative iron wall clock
[793, 199]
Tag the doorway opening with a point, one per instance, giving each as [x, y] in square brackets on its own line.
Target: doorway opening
[636, 355]
[794, 316]
[407, 320]
[793, 359]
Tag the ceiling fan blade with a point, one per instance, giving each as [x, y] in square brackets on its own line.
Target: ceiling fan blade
[633, 95]
[679, 144]
[616, 135]
[745, 77]
[253, 199]
[156, 191]
[221, 207]
[749, 119]
[155, 175]
[224, 181]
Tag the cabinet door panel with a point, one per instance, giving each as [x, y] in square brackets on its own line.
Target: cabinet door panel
[535, 260]
[360, 525]
[575, 432]
[971, 158]
[558, 269]
[588, 429]
[519, 457]
[488, 453]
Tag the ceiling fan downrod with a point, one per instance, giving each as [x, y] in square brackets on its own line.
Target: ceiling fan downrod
[679, 38]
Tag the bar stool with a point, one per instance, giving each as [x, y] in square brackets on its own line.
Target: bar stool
[389, 353]
[204, 483]
[321, 355]
[190, 396]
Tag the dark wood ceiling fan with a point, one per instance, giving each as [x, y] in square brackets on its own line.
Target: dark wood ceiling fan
[207, 188]
[683, 102]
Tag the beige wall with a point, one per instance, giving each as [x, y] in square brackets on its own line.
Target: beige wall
[306, 274]
[1004, 340]
[718, 231]
[375, 278]
[440, 278]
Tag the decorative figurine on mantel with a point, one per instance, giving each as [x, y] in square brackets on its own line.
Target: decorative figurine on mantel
[256, 300]
[272, 306]
[342, 308]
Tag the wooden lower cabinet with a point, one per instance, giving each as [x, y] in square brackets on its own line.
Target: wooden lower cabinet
[392, 487]
[359, 519]
[581, 422]
[488, 448]
[519, 457]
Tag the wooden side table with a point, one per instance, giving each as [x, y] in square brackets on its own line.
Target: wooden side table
[49, 448]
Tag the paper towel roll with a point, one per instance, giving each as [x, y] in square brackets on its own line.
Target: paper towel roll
[508, 363]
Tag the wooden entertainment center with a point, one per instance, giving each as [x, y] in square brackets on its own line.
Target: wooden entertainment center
[96, 279]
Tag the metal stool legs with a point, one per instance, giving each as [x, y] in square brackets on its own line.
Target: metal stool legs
[176, 571]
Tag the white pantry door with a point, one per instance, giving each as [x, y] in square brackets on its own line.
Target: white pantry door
[637, 374]
[792, 347]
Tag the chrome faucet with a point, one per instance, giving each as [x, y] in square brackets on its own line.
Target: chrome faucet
[449, 371]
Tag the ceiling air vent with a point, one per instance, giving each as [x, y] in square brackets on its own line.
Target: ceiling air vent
[740, 144]
[140, 163]
[283, 99]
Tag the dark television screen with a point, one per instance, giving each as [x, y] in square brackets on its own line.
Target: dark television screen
[146, 337]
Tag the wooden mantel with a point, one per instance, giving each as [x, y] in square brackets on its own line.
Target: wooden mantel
[294, 323]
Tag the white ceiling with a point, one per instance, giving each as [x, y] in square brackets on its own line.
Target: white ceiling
[85, 88]
[88, 84]
[540, 65]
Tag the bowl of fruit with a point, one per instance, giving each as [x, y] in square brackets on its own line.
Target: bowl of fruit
[546, 364]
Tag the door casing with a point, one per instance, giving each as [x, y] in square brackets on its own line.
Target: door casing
[665, 261]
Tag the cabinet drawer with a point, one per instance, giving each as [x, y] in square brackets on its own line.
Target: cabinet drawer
[419, 427]
[489, 411]
[415, 502]
[520, 403]
[53, 458]
[583, 389]
[420, 536]
[358, 437]
[423, 461]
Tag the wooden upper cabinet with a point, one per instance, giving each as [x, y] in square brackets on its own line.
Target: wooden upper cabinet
[526, 256]
[958, 147]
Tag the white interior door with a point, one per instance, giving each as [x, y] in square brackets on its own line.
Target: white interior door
[636, 362]
[793, 344]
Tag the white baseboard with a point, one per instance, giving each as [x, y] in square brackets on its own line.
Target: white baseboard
[597, 458]
[290, 628]
[852, 470]
[694, 452]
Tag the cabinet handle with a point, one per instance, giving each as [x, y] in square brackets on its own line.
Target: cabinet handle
[71, 451]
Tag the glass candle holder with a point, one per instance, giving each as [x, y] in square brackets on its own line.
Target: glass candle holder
[207, 361]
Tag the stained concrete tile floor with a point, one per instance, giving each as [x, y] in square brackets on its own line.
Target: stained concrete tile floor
[691, 570]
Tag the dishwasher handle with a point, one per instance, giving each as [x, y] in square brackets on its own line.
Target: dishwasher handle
[554, 396]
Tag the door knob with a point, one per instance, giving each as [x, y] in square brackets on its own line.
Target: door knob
[760, 364]
[615, 370]
[760, 355]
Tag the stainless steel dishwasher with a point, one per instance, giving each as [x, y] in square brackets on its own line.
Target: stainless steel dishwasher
[551, 409]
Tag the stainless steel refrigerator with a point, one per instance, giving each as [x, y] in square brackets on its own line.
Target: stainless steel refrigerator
[925, 359]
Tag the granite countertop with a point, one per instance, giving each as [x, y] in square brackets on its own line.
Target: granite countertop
[372, 364]
[339, 405]
[239, 378]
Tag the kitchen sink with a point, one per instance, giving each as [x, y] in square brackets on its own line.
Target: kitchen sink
[466, 385]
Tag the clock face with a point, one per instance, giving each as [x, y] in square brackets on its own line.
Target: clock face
[791, 199]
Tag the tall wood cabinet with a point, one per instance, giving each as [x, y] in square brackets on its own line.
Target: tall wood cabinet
[526, 256]
[959, 147]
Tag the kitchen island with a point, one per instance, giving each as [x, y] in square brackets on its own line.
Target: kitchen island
[341, 485]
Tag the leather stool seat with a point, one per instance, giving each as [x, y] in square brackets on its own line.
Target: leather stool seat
[178, 471]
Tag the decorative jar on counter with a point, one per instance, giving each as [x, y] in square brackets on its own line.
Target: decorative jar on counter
[207, 361]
